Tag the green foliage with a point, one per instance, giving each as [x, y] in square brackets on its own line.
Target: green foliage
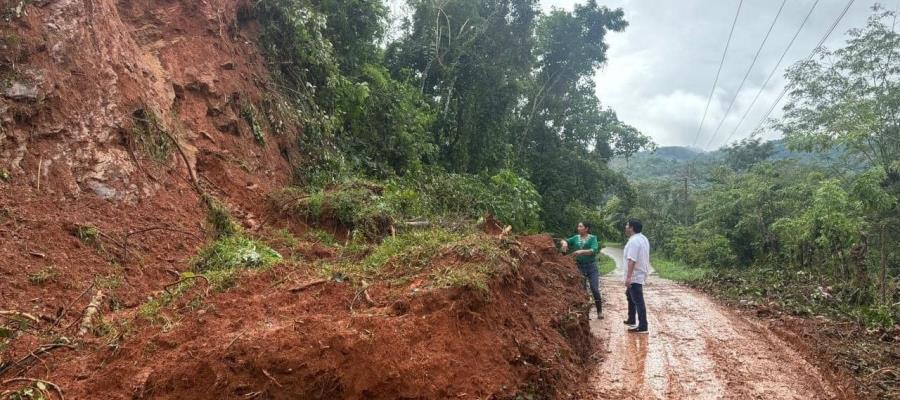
[515, 201]
[473, 87]
[219, 218]
[150, 135]
[446, 258]
[371, 208]
[38, 390]
[385, 123]
[679, 271]
[323, 237]
[701, 249]
[44, 275]
[4, 175]
[742, 155]
[605, 264]
[354, 204]
[235, 252]
[251, 117]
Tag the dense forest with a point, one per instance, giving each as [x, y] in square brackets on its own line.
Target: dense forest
[475, 107]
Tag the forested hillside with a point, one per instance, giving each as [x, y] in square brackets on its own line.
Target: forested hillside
[467, 91]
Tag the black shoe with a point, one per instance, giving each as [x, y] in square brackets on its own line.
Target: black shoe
[643, 331]
[599, 310]
[630, 323]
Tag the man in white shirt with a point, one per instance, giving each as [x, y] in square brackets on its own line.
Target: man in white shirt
[637, 261]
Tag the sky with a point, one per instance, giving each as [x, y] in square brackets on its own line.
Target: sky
[661, 69]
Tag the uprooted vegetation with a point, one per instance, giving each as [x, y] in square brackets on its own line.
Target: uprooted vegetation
[431, 258]
[375, 209]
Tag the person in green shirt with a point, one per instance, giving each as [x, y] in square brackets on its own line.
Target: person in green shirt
[585, 248]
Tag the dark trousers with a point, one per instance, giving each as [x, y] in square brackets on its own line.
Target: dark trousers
[592, 276]
[635, 296]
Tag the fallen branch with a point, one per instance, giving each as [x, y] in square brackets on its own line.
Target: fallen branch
[46, 348]
[187, 278]
[20, 314]
[417, 224]
[32, 380]
[308, 285]
[65, 310]
[505, 232]
[236, 337]
[89, 313]
[266, 373]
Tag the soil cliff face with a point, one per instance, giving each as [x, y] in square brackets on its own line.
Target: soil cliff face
[81, 76]
[109, 111]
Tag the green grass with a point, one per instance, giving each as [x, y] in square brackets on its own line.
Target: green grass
[677, 271]
[236, 251]
[612, 244]
[605, 264]
[45, 275]
[472, 259]
[151, 135]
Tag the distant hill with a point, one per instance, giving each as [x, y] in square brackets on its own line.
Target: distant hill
[671, 161]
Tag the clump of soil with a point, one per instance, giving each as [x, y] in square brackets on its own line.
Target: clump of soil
[527, 335]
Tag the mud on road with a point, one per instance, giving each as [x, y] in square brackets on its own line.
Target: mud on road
[696, 349]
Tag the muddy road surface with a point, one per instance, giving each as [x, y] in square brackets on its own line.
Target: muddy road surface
[696, 349]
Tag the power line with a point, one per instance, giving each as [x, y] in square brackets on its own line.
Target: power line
[772, 74]
[811, 55]
[716, 81]
[747, 74]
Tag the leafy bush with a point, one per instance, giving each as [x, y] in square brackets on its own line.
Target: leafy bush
[468, 259]
[515, 201]
[702, 249]
[235, 252]
[372, 208]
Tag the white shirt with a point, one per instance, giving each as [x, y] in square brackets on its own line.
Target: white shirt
[638, 250]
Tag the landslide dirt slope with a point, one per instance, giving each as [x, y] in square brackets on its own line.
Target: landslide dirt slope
[81, 81]
[89, 202]
[526, 335]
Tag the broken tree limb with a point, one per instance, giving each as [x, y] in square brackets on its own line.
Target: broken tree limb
[187, 278]
[89, 313]
[62, 314]
[308, 285]
[32, 380]
[417, 224]
[33, 355]
[19, 314]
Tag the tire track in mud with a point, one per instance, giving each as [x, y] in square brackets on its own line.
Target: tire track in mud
[696, 349]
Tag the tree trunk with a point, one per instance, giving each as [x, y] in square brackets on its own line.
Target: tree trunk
[858, 252]
[883, 265]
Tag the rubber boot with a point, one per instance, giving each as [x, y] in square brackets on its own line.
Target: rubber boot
[599, 305]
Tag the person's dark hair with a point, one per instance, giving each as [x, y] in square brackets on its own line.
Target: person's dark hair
[635, 225]
[587, 225]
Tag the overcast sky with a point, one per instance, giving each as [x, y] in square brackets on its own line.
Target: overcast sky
[661, 69]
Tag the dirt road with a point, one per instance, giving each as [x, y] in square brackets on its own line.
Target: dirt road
[696, 349]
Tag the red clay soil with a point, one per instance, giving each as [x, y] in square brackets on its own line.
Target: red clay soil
[527, 335]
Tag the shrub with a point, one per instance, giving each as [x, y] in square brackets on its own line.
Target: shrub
[702, 249]
[235, 252]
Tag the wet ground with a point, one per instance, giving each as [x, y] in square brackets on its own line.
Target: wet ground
[696, 349]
